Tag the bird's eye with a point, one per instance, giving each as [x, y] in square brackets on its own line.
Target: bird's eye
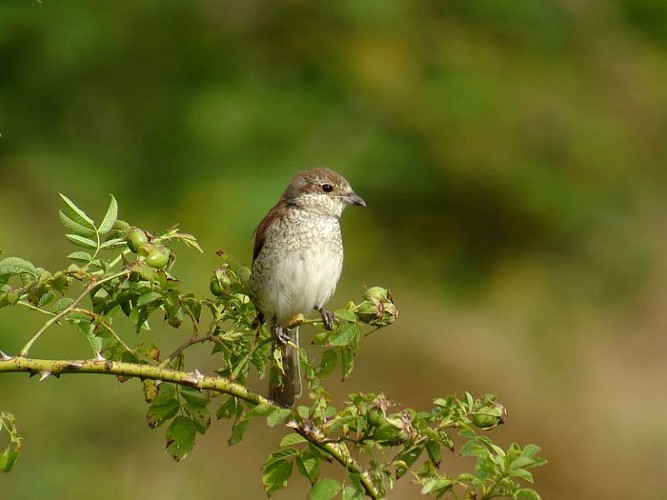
[327, 188]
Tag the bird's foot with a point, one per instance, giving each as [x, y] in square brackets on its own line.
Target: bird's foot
[280, 335]
[328, 318]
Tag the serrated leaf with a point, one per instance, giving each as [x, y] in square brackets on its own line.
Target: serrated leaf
[8, 457]
[520, 462]
[309, 466]
[345, 335]
[76, 214]
[16, 265]
[438, 486]
[83, 257]
[527, 494]
[113, 243]
[324, 489]
[327, 363]
[522, 474]
[292, 439]
[166, 392]
[80, 241]
[347, 361]
[352, 493]
[530, 450]
[194, 398]
[346, 314]
[180, 437]
[110, 217]
[277, 470]
[238, 430]
[201, 417]
[74, 226]
[278, 417]
[62, 304]
[158, 414]
[434, 452]
[147, 298]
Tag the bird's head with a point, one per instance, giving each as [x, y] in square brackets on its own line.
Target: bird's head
[321, 190]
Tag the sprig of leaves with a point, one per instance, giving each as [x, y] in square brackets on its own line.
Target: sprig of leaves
[125, 270]
[10, 453]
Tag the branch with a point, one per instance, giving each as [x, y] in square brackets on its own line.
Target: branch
[47, 367]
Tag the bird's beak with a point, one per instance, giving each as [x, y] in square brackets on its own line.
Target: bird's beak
[353, 198]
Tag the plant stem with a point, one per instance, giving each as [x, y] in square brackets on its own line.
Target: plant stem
[184, 346]
[47, 367]
[93, 283]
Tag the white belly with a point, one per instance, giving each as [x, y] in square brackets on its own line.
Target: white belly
[304, 280]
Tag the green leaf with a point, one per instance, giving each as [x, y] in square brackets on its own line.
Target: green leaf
[180, 437]
[160, 411]
[16, 265]
[201, 417]
[346, 314]
[147, 298]
[438, 486]
[11, 452]
[113, 243]
[526, 494]
[292, 439]
[278, 416]
[76, 214]
[110, 217]
[309, 466]
[520, 462]
[277, 470]
[530, 450]
[522, 474]
[80, 241]
[194, 398]
[434, 452]
[83, 257]
[347, 361]
[238, 430]
[62, 304]
[95, 342]
[327, 363]
[353, 493]
[9, 457]
[75, 227]
[345, 335]
[324, 489]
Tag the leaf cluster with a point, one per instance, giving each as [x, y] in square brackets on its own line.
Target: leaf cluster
[122, 270]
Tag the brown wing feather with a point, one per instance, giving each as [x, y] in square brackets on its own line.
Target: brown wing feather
[260, 232]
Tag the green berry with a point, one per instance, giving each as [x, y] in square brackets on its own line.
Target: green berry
[158, 257]
[136, 239]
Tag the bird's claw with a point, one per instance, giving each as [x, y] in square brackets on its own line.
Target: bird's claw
[280, 335]
[328, 319]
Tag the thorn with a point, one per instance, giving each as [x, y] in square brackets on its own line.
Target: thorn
[196, 374]
[75, 364]
[191, 381]
[4, 357]
[44, 374]
[99, 357]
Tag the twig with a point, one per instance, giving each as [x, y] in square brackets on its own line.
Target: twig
[26, 348]
[184, 346]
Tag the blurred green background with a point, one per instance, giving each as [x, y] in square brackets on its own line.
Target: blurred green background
[512, 154]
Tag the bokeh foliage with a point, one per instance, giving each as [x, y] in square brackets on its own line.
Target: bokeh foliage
[512, 154]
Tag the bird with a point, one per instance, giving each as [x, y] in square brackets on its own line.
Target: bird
[297, 262]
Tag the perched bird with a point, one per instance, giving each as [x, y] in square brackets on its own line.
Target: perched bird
[297, 260]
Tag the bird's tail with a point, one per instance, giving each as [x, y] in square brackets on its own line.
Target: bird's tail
[284, 374]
